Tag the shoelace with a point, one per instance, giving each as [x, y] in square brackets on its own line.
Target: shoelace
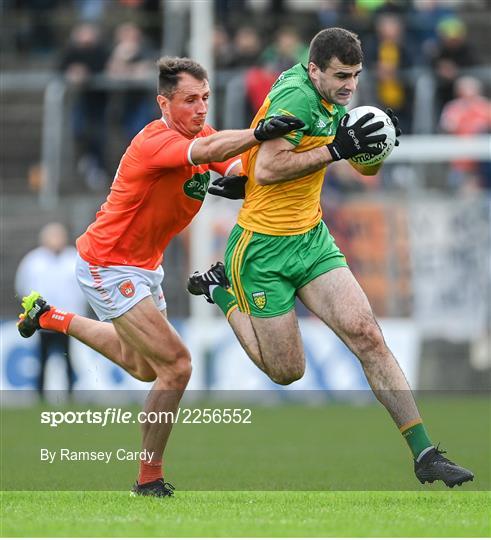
[218, 272]
[440, 453]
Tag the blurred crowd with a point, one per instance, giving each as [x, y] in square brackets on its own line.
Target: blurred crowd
[399, 38]
[131, 59]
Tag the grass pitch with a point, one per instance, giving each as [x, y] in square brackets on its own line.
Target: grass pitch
[291, 447]
[271, 514]
[307, 455]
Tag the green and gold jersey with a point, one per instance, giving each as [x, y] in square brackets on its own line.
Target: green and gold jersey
[291, 207]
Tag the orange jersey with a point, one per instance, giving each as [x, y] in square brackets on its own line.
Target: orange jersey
[156, 192]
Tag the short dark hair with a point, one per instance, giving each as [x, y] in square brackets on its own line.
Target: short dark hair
[335, 42]
[170, 67]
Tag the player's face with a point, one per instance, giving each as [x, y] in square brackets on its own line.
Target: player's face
[337, 83]
[186, 110]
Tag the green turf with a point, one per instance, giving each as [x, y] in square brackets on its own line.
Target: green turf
[221, 514]
[327, 447]
[299, 448]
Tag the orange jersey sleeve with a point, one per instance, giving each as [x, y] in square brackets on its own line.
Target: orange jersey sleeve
[166, 149]
[225, 168]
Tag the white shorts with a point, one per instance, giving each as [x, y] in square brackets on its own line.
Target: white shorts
[113, 290]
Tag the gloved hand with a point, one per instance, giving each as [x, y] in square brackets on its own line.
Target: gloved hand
[352, 140]
[390, 113]
[230, 187]
[277, 126]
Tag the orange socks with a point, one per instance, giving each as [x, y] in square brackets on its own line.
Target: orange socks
[149, 471]
[56, 320]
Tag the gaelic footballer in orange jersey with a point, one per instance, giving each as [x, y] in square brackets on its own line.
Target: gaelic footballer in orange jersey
[156, 193]
[160, 185]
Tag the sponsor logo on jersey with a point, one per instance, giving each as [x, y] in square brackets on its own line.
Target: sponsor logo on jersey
[321, 123]
[127, 289]
[259, 299]
[197, 186]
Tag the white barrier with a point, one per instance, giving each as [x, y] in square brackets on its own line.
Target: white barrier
[219, 363]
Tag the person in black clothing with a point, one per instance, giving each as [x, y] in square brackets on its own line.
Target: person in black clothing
[132, 59]
[84, 57]
[453, 53]
[388, 56]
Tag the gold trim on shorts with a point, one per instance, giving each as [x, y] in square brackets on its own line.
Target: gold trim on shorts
[237, 256]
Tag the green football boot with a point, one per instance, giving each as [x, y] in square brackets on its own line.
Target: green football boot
[34, 306]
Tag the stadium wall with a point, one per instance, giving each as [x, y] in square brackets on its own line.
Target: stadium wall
[219, 363]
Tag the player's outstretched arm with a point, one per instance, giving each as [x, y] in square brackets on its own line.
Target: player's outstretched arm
[225, 144]
[277, 162]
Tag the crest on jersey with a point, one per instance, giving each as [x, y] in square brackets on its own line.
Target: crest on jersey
[259, 299]
[126, 288]
[197, 186]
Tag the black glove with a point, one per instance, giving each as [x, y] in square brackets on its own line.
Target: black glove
[352, 140]
[277, 126]
[230, 187]
[395, 121]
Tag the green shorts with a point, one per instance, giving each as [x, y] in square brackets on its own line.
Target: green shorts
[266, 271]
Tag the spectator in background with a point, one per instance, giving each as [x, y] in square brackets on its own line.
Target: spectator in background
[452, 53]
[287, 50]
[390, 7]
[388, 56]
[132, 60]
[347, 14]
[468, 114]
[282, 54]
[223, 52]
[423, 23]
[51, 267]
[228, 11]
[369, 5]
[84, 57]
[146, 13]
[247, 47]
[36, 30]
[329, 12]
[258, 82]
[257, 79]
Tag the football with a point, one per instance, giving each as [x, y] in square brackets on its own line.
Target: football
[388, 129]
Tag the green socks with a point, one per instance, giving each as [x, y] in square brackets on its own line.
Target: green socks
[224, 299]
[416, 437]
